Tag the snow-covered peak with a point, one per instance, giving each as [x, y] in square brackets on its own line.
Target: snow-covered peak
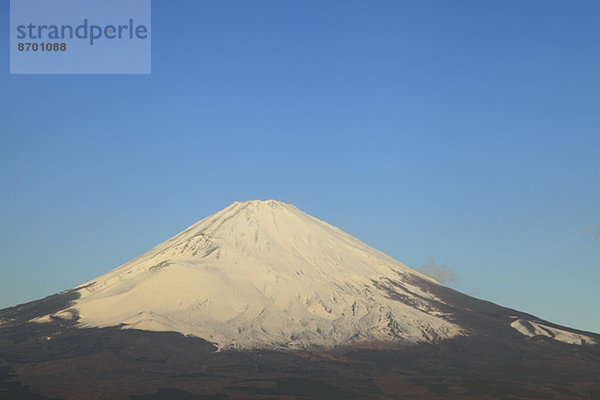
[262, 203]
[265, 274]
[277, 234]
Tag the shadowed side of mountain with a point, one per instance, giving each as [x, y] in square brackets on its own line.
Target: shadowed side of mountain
[487, 318]
[38, 308]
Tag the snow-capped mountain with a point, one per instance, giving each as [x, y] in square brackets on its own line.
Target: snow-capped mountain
[264, 274]
[261, 278]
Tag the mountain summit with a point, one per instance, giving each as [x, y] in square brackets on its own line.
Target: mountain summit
[265, 274]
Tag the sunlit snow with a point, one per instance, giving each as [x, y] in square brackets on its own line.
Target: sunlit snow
[264, 274]
[531, 329]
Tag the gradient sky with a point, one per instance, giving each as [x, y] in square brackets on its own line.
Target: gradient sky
[463, 131]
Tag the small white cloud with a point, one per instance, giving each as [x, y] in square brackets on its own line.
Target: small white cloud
[440, 272]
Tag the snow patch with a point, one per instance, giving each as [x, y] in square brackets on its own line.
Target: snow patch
[64, 314]
[531, 329]
[42, 320]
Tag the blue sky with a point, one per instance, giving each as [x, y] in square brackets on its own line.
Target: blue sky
[467, 132]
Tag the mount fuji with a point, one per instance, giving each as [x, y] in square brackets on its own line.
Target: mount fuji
[264, 280]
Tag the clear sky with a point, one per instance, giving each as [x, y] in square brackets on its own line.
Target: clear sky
[463, 131]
